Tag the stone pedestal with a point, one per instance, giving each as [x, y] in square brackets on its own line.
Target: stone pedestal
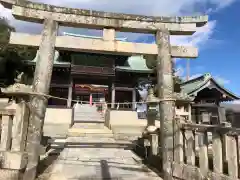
[14, 132]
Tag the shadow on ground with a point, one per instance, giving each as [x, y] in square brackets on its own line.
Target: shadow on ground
[103, 171]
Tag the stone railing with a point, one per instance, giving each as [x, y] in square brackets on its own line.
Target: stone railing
[14, 123]
[198, 158]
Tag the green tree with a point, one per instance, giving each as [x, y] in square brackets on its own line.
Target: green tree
[11, 56]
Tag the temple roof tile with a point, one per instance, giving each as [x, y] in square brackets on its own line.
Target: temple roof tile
[135, 64]
[193, 86]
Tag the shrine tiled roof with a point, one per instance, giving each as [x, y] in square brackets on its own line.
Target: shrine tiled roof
[135, 64]
[193, 86]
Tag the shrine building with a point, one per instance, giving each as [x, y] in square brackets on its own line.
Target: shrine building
[85, 77]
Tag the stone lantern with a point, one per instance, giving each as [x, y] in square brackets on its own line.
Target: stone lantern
[150, 134]
[152, 111]
[15, 133]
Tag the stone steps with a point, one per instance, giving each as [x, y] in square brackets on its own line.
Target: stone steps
[89, 125]
[97, 132]
[87, 119]
[87, 113]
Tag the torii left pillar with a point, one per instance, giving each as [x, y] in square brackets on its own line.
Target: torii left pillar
[38, 104]
[166, 106]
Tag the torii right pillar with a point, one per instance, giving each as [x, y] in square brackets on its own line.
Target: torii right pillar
[167, 105]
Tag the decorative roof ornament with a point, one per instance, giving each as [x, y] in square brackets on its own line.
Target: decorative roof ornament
[207, 76]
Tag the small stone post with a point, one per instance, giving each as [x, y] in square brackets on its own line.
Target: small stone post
[166, 107]
[151, 129]
[38, 104]
[70, 91]
[20, 126]
[113, 96]
[134, 96]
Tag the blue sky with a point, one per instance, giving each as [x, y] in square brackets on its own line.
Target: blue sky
[220, 54]
[218, 41]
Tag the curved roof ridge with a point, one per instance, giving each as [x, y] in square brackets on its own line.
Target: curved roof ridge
[221, 86]
[197, 83]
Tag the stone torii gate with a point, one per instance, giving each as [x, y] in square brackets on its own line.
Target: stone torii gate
[48, 41]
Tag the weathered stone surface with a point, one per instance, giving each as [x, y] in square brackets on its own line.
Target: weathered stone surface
[41, 84]
[19, 133]
[46, 7]
[68, 19]
[97, 163]
[13, 160]
[7, 174]
[110, 18]
[101, 46]
[6, 132]
[17, 89]
[109, 34]
[166, 107]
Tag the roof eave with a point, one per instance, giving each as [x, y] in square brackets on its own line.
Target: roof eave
[124, 69]
[220, 88]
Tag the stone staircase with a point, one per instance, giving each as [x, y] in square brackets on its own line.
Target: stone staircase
[86, 116]
[88, 122]
[91, 151]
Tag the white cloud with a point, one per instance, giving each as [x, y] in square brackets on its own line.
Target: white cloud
[199, 38]
[181, 72]
[222, 80]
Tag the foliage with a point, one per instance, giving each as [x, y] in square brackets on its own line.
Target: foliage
[145, 83]
[11, 56]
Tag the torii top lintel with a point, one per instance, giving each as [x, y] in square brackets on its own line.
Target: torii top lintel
[37, 12]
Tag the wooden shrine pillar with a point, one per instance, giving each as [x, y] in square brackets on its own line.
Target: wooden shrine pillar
[70, 92]
[134, 96]
[90, 99]
[41, 84]
[113, 95]
[166, 107]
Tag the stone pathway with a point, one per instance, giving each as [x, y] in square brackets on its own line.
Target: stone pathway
[97, 158]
